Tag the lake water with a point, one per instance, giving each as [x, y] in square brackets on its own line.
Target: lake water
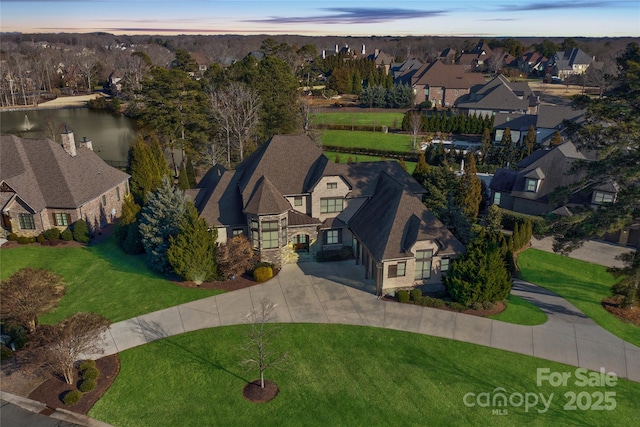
[111, 134]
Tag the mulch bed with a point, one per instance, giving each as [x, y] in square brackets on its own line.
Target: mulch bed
[240, 282]
[631, 315]
[254, 393]
[498, 307]
[52, 391]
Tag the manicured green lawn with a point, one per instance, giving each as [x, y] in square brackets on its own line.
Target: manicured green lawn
[375, 140]
[581, 283]
[345, 376]
[521, 312]
[363, 158]
[392, 119]
[100, 279]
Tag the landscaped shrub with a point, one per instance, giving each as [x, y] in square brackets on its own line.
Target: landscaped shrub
[415, 294]
[457, 306]
[52, 233]
[66, 235]
[488, 305]
[431, 302]
[477, 306]
[87, 385]
[72, 397]
[510, 219]
[40, 238]
[402, 295]
[5, 353]
[24, 240]
[86, 364]
[262, 274]
[80, 231]
[13, 237]
[90, 374]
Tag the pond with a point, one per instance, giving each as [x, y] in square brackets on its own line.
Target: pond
[111, 134]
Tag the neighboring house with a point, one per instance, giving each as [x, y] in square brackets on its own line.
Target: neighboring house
[202, 61]
[292, 202]
[402, 71]
[447, 56]
[528, 188]
[477, 58]
[499, 95]
[566, 63]
[549, 119]
[532, 63]
[45, 185]
[382, 60]
[115, 81]
[442, 84]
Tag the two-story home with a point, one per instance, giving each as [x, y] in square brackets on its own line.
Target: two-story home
[566, 63]
[45, 185]
[499, 95]
[291, 201]
[442, 84]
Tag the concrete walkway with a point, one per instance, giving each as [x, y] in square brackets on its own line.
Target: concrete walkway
[336, 293]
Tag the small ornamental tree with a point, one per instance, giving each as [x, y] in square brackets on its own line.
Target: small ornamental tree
[29, 293]
[480, 275]
[235, 257]
[192, 253]
[258, 346]
[56, 348]
[160, 220]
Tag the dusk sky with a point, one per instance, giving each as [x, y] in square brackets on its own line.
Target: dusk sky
[357, 18]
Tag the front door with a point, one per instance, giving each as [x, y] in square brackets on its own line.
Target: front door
[301, 242]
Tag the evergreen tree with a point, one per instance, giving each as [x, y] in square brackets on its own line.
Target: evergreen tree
[127, 231]
[422, 168]
[403, 164]
[486, 146]
[556, 139]
[192, 252]
[147, 167]
[470, 190]
[161, 216]
[183, 179]
[530, 141]
[479, 275]
[191, 172]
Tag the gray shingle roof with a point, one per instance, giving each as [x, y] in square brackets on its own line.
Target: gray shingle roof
[43, 174]
[393, 219]
[266, 199]
[498, 94]
[552, 116]
[219, 200]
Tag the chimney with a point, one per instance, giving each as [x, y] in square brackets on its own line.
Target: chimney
[376, 52]
[86, 143]
[364, 51]
[336, 48]
[324, 54]
[69, 142]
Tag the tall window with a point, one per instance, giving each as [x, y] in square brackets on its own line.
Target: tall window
[118, 193]
[331, 205]
[269, 234]
[423, 264]
[61, 219]
[104, 200]
[255, 234]
[531, 184]
[332, 237]
[444, 264]
[26, 221]
[398, 270]
[496, 198]
[283, 227]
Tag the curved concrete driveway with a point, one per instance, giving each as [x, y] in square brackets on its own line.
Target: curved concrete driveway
[336, 293]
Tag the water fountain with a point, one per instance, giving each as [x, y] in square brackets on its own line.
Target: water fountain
[27, 123]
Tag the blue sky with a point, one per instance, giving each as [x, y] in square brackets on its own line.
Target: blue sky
[484, 18]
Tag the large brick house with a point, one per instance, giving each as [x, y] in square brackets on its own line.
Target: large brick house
[292, 202]
[45, 185]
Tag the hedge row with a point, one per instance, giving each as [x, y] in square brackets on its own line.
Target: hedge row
[510, 219]
[405, 155]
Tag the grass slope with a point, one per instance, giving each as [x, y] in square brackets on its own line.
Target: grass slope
[521, 312]
[341, 376]
[363, 158]
[392, 120]
[100, 279]
[375, 140]
[581, 283]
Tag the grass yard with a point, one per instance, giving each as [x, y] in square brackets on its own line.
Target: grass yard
[521, 312]
[363, 158]
[343, 376]
[581, 283]
[100, 279]
[392, 119]
[375, 140]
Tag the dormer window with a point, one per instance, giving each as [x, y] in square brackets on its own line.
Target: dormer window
[600, 197]
[531, 185]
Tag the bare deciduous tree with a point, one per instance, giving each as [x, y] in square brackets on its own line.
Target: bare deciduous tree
[258, 346]
[56, 348]
[29, 293]
[415, 127]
